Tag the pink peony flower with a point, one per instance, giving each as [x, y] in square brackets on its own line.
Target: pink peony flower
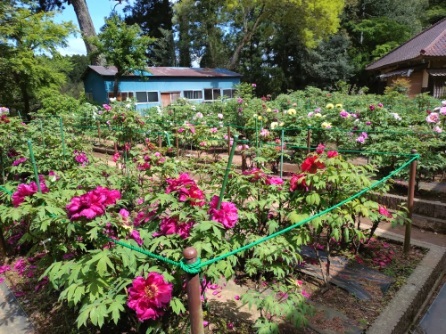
[124, 214]
[227, 215]
[383, 211]
[107, 107]
[332, 154]
[433, 117]
[344, 114]
[371, 107]
[149, 296]
[274, 181]
[187, 189]
[320, 148]
[264, 132]
[213, 130]
[92, 204]
[171, 225]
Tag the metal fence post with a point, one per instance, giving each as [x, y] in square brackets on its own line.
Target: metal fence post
[410, 198]
[193, 294]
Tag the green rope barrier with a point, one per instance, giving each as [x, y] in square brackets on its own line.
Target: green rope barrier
[5, 190]
[319, 214]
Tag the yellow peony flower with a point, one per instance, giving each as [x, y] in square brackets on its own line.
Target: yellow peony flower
[326, 125]
[339, 105]
[260, 118]
[292, 111]
[281, 124]
[329, 106]
[274, 125]
[269, 110]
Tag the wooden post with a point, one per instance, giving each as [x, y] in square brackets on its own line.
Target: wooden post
[193, 294]
[410, 198]
[160, 141]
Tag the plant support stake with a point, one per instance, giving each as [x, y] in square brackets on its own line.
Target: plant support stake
[228, 168]
[282, 137]
[33, 162]
[193, 294]
[410, 197]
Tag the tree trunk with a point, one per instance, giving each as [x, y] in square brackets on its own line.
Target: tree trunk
[184, 42]
[87, 28]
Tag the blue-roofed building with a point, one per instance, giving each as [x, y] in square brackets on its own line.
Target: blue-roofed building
[161, 86]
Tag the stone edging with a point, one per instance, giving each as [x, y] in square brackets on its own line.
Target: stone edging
[399, 314]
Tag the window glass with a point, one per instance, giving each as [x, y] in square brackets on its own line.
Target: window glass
[208, 95]
[217, 94]
[152, 96]
[141, 97]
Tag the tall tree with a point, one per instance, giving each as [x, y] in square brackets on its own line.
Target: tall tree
[155, 19]
[85, 22]
[123, 46]
[239, 20]
[29, 60]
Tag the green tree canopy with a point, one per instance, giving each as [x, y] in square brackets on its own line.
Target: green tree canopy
[123, 46]
[29, 60]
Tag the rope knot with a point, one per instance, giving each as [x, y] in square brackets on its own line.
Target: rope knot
[191, 268]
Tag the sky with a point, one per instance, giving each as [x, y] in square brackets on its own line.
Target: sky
[99, 10]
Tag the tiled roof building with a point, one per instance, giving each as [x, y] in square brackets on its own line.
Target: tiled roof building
[422, 60]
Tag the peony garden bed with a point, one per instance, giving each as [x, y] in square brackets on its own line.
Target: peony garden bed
[97, 246]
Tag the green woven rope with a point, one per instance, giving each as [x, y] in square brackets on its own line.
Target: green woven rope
[5, 190]
[323, 212]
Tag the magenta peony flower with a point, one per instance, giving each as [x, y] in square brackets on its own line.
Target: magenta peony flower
[91, 204]
[136, 236]
[124, 214]
[171, 225]
[187, 189]
[19, 161]
[25, 190]
[227, 215]
[80, 158]
[298, 182]
[149, 296]
[116, 157]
